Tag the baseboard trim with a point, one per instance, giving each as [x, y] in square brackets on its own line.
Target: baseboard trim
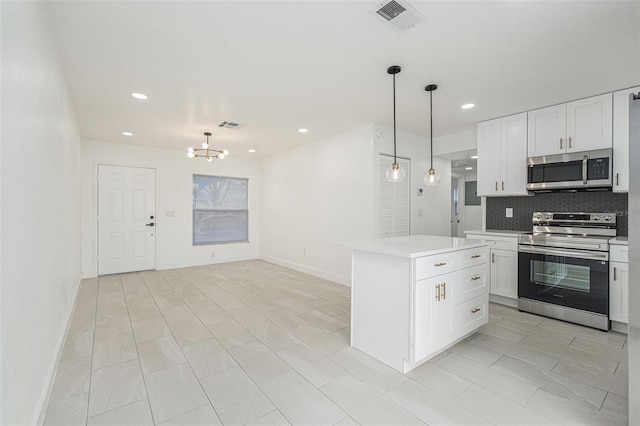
[320, 273]
[501, 300]
[45, 397]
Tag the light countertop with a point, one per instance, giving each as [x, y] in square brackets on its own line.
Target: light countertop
[622, 241]
[496, 232]
[415, 245]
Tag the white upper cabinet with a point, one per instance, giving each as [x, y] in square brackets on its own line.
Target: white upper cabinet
[621, 139]
[547, 131]
[581, 125]
[502, 156]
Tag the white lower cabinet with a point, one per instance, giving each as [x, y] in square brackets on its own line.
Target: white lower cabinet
[449, 305]
[504, 273]
[503, 270]
[619, 284]
[406, 309]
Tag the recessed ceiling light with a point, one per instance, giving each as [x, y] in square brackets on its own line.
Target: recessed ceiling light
[252, 150]
[139, 95]
[127, 133]
[303, 130]
[467, 106]
[474, 157]
[468, 168]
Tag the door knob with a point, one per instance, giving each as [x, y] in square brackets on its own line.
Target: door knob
[150, 224]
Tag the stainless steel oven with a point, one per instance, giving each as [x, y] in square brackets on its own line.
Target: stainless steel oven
[563, 268]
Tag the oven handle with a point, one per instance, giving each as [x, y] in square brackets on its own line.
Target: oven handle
[564, 253]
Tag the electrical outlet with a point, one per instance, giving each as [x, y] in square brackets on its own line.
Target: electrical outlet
[509, 212]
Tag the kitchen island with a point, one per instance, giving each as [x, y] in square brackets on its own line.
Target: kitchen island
[413, 297]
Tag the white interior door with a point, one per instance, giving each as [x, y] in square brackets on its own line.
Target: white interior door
[126, 219]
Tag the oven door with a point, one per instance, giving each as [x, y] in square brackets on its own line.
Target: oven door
[578, 280]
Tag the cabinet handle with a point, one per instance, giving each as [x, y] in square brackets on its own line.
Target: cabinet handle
[617, 179]
[473, 311]
[496, 185]
[440, 264]
[503, 185]
[438, 292]
[444, 291]
[475, 278]
[493, 258]
[475, 256]
[560, 143]
[569, 141]
[614, 274]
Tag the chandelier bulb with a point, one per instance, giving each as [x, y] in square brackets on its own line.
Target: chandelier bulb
[221, 156]
[205, 145]
[209, 159]
[225, 152]
[190, 154]
[190, 149]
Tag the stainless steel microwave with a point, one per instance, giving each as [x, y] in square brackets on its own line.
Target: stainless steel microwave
[588, 170]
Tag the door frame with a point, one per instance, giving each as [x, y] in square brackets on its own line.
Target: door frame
[94, 207]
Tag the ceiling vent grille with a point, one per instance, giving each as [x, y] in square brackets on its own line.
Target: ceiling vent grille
[400, 14]
[230, 125]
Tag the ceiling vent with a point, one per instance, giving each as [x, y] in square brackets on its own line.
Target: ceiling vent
[400, 14]
[230, 125]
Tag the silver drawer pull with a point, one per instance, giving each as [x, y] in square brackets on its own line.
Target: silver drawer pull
[440, 264]
[475, 278]
[475, 256]
[473, 311]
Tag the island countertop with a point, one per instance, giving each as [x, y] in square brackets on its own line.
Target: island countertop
[413, 246]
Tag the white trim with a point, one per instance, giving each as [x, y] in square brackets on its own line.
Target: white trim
[45, 397]
[321, 273]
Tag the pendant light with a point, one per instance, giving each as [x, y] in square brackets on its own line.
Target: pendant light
[395, 172]
[431, 177]
[206, 152]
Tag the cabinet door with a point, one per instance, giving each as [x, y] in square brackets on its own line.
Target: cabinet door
[425, 297]
[621, 139]
[590, 123]
[619, 291]
[504, 273]
[488, 157]
[547, 129]
[513, 158]
[434, 305]
[445, 310]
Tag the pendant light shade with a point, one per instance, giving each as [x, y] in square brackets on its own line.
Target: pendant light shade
[431, 177]
[395, 172]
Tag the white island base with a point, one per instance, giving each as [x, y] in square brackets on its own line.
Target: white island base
[413, 297]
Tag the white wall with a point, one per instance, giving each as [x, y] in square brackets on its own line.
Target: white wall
[313, 198]
[435, 202]
[40, 199]
[316, 196]
[455, 142]
[174, 193]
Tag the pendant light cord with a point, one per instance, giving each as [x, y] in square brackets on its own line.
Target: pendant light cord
[431, 123]
[394, 119]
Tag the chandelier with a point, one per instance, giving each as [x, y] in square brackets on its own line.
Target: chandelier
[206, 151]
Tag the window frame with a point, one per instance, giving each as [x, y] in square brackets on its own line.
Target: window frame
[195, 211]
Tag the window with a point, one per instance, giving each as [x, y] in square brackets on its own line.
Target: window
[220, 210]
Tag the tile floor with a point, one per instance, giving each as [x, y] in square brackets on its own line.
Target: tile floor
[254, 343]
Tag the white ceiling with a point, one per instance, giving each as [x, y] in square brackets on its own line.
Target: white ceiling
[278, 66]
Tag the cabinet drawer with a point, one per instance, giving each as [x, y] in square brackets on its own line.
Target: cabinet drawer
[473, 282]
[507, 244]
[431, 266]
[472, 257]
[619, 253]
[472, 314]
